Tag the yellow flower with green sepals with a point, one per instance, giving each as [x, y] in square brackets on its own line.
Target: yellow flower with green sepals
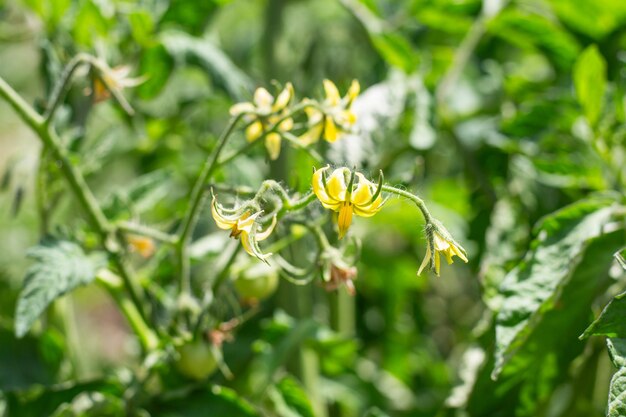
[262, 115]
[243, 226]
[439, 241]
[347, 192]
[333, 117]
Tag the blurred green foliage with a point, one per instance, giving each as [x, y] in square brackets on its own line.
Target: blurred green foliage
[507, 117]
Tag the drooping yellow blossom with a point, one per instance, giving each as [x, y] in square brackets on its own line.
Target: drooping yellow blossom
[243, 227]
[263, 113]
[334, 115]
[443, 244]
[342, 194]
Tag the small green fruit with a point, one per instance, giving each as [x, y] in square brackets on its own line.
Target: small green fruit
[257, 282]
[196, 360]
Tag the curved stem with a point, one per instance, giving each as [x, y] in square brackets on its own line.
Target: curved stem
[198, 197]
[60, 90]
[76, 182]
[146, 231]
[148, 339]
[418, 201]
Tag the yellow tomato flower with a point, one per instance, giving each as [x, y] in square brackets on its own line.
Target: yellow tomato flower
[340, 193]
[243, 226]
[263, 113]
[334, 115]
[443, 244]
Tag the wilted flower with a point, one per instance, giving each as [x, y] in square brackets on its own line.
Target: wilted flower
[142, 245]
[342, 194]
[113, 80]
[443, 243]
[243, 226]
[334, 115]
[263, 114]
[341, 275]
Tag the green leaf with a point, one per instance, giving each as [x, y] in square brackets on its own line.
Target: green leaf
[395, 50]
[156, 65]
[617, 389]
[392, 46]
[535, 32]
[216, 401]
[611, 321]
[142, 26]
[60, 266]
[38, 401]
[29, 360]
[536, 286]
[183, 47]
[140, 195]
[594, 18]
[590, 82]
[290, 400]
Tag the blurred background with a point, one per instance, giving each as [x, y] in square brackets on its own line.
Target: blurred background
[471, 104]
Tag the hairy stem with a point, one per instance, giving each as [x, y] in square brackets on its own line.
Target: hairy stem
[198, 197]
[76, 182]
[418, 201]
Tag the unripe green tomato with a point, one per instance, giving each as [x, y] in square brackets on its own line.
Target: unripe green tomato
[196, 360]
[257, 282]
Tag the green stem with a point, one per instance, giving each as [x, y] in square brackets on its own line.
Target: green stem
[75, 179]
[146, 231]
[60, 90]
[418, 201]
[148, 339]
[198, 197]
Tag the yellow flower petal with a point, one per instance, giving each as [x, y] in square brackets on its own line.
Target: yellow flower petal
[425, 261]
[241, 108]
[320, 192]
[353, 91]
[245, 242]
[286, 125]
[345, 219]
[332, 94]
[336, 185]
[254, 131]
[283, 98]
[272, 144]
[263, 99]
[330, 130]
[221, 222]
[363, 193]
[267, 232]
[312, 135]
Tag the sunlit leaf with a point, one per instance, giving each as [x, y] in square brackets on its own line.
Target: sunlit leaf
[590, 82]
[535, 287]
[617, 390]
[60, 266]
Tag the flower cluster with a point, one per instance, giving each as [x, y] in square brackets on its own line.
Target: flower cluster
[272, 117]
[267, 116]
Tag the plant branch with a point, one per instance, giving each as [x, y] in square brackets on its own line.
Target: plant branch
[418, 201]
[198, 197]
[76, 181]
